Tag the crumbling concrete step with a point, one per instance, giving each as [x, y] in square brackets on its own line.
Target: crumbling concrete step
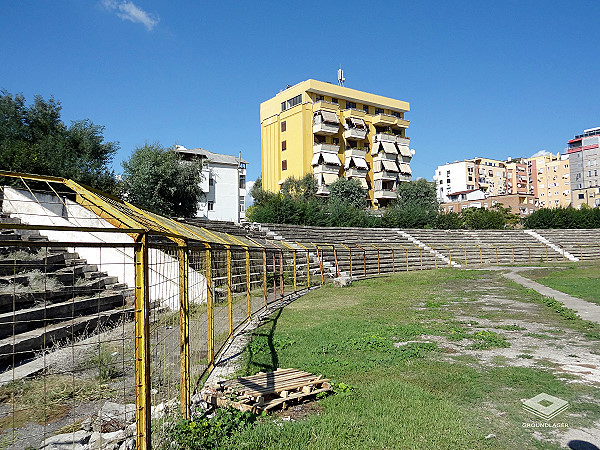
[39, 316]
[21, 347]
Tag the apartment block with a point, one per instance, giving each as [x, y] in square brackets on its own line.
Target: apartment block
[584, 154]
[485, 174]
[333, 131]
[550, 178]
[223, 182]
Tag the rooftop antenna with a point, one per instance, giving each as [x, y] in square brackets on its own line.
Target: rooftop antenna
[341, 78]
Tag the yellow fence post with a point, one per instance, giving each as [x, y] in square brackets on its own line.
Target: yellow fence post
[248, 300]
[142, 344]
[294, 256]
[184, 330]
[465, 249]
[229, 291]
[209, 309]
[480, 255]
[281, 283]
[364, 259]
[497, 263]
[434, 255]
[337, 267]
[264, 252]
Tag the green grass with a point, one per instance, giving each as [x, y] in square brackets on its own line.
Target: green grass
[579, 280]
[405, 396]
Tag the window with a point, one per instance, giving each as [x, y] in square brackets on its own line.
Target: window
[448, 181]
[283, 126]
[441, 181]
[318, 98]
[291, 102]
[334, 100]
[242, 204]
[211, 206]
[335, 141]
[211, 181]
[366, 108]
[378, 111]
[396, 114]
[580, 196]
[283, 145]
[284, 164]
[242, 181]
[350, 105]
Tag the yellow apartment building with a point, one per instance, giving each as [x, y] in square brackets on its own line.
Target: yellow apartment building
[550, 176]
[333, 131]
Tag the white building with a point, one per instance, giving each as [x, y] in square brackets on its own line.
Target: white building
[223, 182]
[450, 178]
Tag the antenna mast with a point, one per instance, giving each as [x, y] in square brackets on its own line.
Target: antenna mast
[341, 78]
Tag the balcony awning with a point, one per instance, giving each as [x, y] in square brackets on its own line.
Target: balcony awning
[389, 166]
[359, 162]
[357, 123]
[375, 149]
[329, 178]
[389, 147]
[404, 150]
[405, 168]
[363, 182]
[325, 157]
[329, 117]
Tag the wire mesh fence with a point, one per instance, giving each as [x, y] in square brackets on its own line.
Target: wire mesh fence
[112, 316]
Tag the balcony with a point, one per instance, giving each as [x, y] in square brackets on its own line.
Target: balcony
[404, 150]
[353, 112]
[325, 129]
[384, 137]
[381, 120]
[403, 140]
[356, 173]
[385, 157]
[322, 190]
[326, 168]
[355, 134]
[385, 176]
[384, 194]
[322, 104]
[330, 148]
[402, 123]
[349, 152]
[404, 178]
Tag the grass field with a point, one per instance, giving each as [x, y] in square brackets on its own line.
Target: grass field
[432, 360]
[579, 280]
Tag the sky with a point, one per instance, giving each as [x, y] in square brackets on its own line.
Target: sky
[487, 79]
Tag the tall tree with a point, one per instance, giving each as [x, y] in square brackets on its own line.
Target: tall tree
[34, 139]
[158, 179]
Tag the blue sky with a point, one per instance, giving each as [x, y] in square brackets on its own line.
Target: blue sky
[495, 79]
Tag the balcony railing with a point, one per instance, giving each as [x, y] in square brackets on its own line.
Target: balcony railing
[355, 133]
[325, 128]
[357, 173]
[322, 147]
[384, 193]
[361, 153]
[328, 168]
[384, 137]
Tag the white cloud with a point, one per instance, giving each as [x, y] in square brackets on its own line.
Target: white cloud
[541, 153]
[128, 11]
[249, 198]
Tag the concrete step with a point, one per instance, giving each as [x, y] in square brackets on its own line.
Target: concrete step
[24, 346]
[17, 322]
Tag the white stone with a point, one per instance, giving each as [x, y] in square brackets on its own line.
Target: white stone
[342, 281]
[68, 441]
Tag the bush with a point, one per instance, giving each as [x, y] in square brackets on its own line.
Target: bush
[564, 218]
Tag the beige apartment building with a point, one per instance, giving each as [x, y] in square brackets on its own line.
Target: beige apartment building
[551, 183]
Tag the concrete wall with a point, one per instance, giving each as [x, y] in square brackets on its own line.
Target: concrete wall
[46, 209]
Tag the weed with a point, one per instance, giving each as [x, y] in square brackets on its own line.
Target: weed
[524, 356]
[484, 340]
[202, 432]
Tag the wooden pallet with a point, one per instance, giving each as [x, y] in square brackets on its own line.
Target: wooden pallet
[266, 391]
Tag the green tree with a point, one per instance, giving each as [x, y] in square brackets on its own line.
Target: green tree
[33, 139]
[416, 207]
[158, 179]
[300, 188]
[347, 191]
